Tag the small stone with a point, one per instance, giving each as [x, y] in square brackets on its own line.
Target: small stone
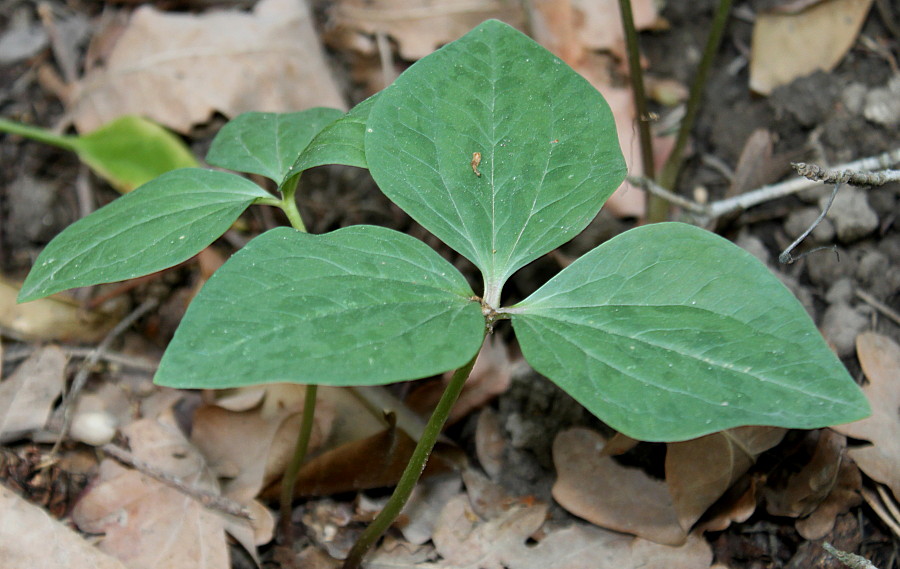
[840, 326]
[871, 267]
[799, 221]
[852, 217]
[801, 292]
[825, 268]
[753, 245]
[840, 291]
[882, 105]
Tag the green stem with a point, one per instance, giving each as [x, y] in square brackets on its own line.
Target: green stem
[290, 473]
[413, 470]
[657, 208]
[670, 171]
[289, 204]
[39, 134]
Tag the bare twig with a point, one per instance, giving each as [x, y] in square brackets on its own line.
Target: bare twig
[18, 353]
[878, 506]
[849, 559]
[205, 498]
[764, 194]
[879, 306]
[852, 177]
[785, 257]
[83, 372]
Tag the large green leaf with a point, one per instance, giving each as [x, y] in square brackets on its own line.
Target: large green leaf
[363, 305]
[160, 224]
[341, 142]
[547, 140]
[268, 143]
[668, 332]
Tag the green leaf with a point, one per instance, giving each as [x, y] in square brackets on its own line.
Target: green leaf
[160, 224]
[341, 142]
[668, 332]
[549, 152]
[268, 143]
[127, 152]
[363, 305]
[131, 151]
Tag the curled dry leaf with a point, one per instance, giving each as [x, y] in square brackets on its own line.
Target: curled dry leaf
[178, 69]
[880, 360]
[251, 448]
[797, 492]
[595, 487]
[816, 38]
[844, 495]
[27, 396]
[54, 318]
[149, 524]
[29, 537]
[701, 470]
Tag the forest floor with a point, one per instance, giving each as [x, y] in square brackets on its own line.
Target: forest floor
[777, 505]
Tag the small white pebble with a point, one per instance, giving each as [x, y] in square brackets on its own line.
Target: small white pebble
[95, 428]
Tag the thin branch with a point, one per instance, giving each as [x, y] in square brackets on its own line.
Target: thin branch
[785, 257]
[852, 177]
[849, 559]
[879, 306]
[205, 498]
[18, 353]
[764, 194]
[91, 360]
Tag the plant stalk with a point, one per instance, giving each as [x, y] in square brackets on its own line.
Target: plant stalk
[657, 208]
[670, 171]
[289, 205]
[38, 134]
[293, 468]
[413, 471]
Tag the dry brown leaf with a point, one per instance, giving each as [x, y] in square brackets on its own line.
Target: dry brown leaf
[619, 444]
[816, 38]
[600, 22]
[27, 396]
[178, 69]
[598, 489]
[146, 523]
[465, 541]
[29, 537]
[54, 318]
[796, 492]
[701, 470]
[418, 26]
[736, 506]
[844, 495]
[880, 360]
[252, 448]
[490, 377]
[420, 514]
[490, 443]
[374, 462]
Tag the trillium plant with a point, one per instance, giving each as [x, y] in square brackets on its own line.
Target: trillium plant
[666, 332]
